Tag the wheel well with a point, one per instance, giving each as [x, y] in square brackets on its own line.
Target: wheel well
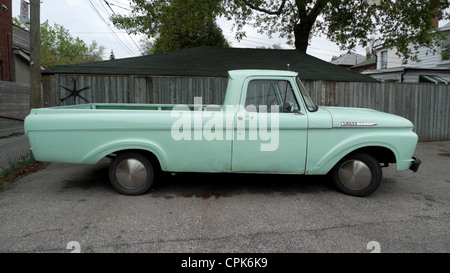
[382, 154]
[151, 156]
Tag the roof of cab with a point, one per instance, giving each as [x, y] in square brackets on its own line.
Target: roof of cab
[261, 72]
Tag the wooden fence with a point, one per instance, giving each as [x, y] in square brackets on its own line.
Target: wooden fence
[426, 105]
[133, 89]
[14, 107]
[14, 100]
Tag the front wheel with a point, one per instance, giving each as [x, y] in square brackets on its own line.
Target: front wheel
[357, 175]
[131, 173]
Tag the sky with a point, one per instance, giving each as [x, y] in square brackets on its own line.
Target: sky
[89, 20]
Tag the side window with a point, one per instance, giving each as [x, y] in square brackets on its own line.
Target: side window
[446, 49]
[288, 98]
[262, 95]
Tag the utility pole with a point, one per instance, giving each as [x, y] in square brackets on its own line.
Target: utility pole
[35, 54]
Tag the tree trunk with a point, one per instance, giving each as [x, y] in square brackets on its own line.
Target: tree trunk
[302, 31]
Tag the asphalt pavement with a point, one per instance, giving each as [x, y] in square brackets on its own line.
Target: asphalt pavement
[73, 208]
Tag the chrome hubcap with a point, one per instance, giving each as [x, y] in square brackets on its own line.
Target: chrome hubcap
[355, 174]
[131, 173]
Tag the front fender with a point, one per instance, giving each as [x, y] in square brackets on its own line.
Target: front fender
[328, 147]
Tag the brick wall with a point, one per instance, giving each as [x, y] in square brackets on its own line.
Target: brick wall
[6, 66]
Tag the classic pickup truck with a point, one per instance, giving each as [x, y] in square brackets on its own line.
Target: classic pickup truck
[267, 124]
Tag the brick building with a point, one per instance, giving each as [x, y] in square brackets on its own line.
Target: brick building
[6, 40]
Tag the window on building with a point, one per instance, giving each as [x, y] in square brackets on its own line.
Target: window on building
[432, 79]
[446, 50]
[384, 59]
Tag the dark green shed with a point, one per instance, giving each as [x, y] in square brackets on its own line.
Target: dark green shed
[215, 62]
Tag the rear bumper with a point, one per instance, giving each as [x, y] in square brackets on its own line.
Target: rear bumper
[415, 165]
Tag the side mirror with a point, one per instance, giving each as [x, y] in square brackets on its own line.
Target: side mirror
[288, 107]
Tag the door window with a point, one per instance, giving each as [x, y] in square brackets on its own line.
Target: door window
[271, 95]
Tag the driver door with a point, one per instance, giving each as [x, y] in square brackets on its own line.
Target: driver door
[270, 128]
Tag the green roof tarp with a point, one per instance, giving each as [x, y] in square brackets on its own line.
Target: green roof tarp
[215, 62]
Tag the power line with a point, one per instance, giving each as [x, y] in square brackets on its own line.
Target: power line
[112, 31]
[124, 46]
[107, 3]
[119, 5]
[324, 54]
[248, 39]
[309, 47]
[96, 32]
[108, 25]
[249, 42]
[310, 50]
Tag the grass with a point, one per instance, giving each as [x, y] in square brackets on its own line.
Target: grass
[22, 168]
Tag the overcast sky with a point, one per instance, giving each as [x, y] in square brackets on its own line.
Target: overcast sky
[89, 20]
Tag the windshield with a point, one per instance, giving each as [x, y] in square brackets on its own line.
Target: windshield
[308, 101]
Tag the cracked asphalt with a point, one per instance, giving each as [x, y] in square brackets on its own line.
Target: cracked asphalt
[73, 207]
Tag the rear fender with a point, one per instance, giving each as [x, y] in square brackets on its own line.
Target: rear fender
[129, 144]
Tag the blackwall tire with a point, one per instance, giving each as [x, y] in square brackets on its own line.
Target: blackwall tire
[357, 175]
[131, 173]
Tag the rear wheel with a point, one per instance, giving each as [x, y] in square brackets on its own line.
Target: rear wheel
[131, 173]
[357, 174]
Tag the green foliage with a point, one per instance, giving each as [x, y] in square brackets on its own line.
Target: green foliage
[59, 47]
[176, 24]
[348, 23]
[23, 161]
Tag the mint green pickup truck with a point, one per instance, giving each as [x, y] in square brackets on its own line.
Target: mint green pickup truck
[267, 124]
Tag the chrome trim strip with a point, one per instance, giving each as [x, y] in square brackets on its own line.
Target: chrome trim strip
[355, 123]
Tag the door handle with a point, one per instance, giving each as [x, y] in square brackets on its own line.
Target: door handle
[245, 117]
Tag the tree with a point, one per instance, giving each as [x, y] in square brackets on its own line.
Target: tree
[176, 24]
[348, 23]
[59, 47]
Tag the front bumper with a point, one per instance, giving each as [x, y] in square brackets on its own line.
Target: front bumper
[415, 165]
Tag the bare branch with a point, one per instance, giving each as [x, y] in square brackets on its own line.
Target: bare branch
[270, 12]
